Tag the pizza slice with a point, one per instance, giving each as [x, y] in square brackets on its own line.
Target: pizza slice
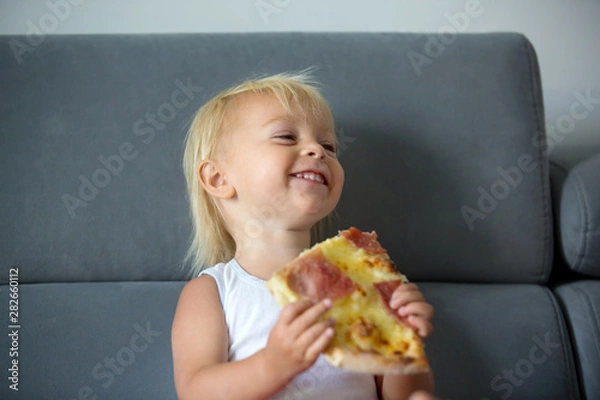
[356, 273]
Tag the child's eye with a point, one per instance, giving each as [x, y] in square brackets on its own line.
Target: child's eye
[286, 137]
[328, 147]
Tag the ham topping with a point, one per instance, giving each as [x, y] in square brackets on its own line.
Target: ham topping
[314, 277]
[363, 240]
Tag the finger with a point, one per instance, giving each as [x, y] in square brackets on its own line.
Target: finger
[419, 309]
[290, 312]
[423, 327]
[401, 298]
[421, 395]
[406, 287]
[310, 315]
[319, 345]
[312, 333]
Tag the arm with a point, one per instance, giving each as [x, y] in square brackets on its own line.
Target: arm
[408, 302]
[200, 345]
[400, 387]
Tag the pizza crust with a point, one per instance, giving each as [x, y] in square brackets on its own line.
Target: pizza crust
[373, 363]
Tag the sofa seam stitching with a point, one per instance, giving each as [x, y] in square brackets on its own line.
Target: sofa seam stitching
[535, 102]
[595, 327]
[561, 298]
[566, 335]
[581, 199]
[593, 315]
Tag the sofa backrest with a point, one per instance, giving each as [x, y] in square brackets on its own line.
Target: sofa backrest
[441, 139]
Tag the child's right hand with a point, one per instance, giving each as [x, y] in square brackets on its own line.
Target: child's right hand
[297, 339]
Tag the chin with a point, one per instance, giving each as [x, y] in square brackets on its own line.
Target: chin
[306, 217]
[316, 209]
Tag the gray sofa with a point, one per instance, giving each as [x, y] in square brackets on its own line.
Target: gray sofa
[442, 141]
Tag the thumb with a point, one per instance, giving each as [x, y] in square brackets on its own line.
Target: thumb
[421, 395]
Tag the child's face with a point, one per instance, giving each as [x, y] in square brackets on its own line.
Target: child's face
[283, 167]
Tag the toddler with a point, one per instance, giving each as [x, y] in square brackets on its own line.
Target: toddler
[262, 175]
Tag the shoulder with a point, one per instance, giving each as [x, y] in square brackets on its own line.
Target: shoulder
[199, 335]
[199, 284]
[199, 314]
[200, 292]
[201, 296]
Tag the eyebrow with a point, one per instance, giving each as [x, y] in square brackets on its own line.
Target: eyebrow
[291, 118]
[281, 118]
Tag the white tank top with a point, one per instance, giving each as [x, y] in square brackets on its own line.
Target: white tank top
[251, 312]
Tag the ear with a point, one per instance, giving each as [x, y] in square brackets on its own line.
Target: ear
[214, 181]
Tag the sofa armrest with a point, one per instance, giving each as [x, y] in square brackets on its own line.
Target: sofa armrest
[578, 213]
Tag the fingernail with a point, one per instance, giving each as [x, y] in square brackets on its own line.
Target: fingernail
[329, 332]
[332, 321]
[327, 302]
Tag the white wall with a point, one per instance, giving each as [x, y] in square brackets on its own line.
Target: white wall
[566, 34]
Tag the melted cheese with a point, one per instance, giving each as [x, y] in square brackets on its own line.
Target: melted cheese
[361, 316]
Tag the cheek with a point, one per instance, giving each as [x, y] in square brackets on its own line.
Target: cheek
[264, 174]
[252, 166]
[339, 171]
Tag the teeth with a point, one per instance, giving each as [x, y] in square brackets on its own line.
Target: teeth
[312, 176]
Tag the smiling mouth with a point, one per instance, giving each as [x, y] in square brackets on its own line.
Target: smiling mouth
[311, 176]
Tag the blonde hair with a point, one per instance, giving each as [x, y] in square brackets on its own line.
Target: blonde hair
[211, 242]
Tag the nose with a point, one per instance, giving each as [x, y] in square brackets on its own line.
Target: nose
[313, 149]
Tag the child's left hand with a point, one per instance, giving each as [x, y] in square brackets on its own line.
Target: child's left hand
[409, 303]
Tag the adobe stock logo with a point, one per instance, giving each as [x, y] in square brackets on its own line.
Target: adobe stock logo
[265, 215]
[512, 176]
[342, 141]
[58, 11]
[146, 130]
[524, 368]
[266, 8]
[488, 201]
[307, 382]
[434, 46]
[504, 383]
[107, 371]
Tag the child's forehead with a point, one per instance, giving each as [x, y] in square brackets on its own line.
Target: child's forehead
[267, 108]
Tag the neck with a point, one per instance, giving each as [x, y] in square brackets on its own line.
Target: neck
[266, 251]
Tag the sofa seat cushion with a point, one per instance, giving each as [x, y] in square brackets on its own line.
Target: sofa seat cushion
[581, 302]
[81, 340]
[495, 341]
